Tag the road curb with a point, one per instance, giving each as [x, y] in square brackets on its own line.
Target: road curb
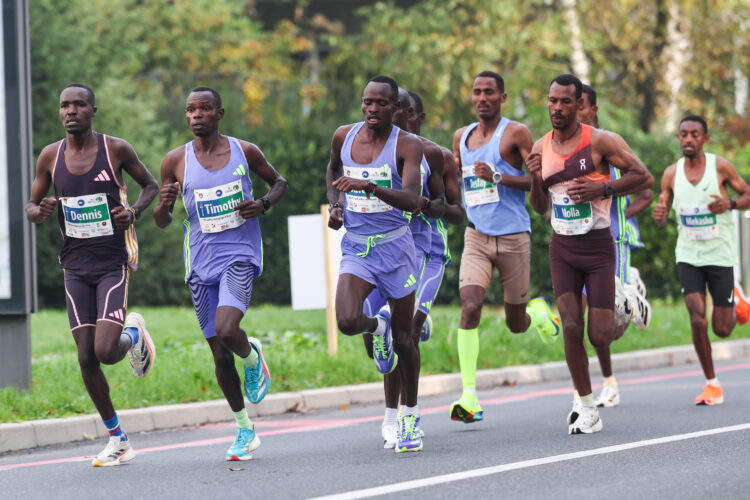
[35, 433]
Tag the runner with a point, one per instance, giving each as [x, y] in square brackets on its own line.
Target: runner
[376, 165]
[491, 153]
[625, 233]
[570, 171]
[696, 187]
[98, 252]
[223, 250]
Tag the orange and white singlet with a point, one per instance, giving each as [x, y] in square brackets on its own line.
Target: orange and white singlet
[558, 174]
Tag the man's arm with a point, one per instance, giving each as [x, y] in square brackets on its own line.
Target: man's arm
[434, 156]
[729, 177]
[661, 210]
[334, 170]
[170, 187]
[522, 142]
[457, 147]
[278, 185]
[538, 196]
[130, 163]
[454, 210]
[38, 207]
[643, 198]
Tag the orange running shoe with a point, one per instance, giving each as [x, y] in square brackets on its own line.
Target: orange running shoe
[712, 395]
[742, 306]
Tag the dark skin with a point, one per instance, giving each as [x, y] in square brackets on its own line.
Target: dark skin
[563, 105]
[692, 137]
[103, 343]
[515, 145]
[213, 153]
[587, 114]
[378, 106]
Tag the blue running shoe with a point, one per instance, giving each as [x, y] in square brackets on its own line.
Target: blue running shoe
[424, 335]
[382, 346]
[244, 443]
[409, 438]
[257, 378]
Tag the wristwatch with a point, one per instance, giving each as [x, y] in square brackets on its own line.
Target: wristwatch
[608, 190]
[370, 187]
[136, 212]
[266, 204]
[427, 203]
[497, 177]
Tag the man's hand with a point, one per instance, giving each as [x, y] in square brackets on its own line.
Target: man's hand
[249, 208]
[534, 164]
[335, 218]
[719, 205]
[46, 207]
[660, 210]
[483, 171]
[123, 218]
[168, 193]
[347, 184]
[584, 190]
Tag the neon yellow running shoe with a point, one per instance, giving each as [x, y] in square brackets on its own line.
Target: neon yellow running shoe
[467, 409]
[551, 328]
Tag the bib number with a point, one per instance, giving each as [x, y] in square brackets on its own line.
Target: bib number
[698, 222]
[215, 207]
[478, 191]
[569, 218]
[87, 216]
[358, 201]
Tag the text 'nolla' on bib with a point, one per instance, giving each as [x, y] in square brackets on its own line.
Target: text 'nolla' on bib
[698, 222]
[569, 218]
[87, 216]
[359, 201]
[478, 191]
[215, 207]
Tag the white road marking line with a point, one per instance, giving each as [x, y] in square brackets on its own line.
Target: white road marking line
[487, 471]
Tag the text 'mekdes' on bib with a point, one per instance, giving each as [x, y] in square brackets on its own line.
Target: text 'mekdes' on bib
[215, 207]
[87, 216]
[478, 191]
[358, 201]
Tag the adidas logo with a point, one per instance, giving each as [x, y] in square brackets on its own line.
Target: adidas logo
[427, 305]
[102, 177]
[410, 281]
[118, 314]
[239, 170]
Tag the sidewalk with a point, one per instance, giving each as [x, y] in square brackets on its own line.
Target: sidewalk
[46, 432]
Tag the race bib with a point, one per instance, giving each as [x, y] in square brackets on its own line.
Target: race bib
[478, 191]
[569, 218]
[87, 216]
[215, 207]
[698, 222]
[358, 201]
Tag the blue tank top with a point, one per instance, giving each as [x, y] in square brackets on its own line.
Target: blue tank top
[85, 201]
[420, 226]
[215, 235]
[623, 229]
[368, 216]
[494, 210]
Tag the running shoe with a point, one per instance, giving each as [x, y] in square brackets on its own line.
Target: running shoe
[623, 307]
[408, 434]
[609, 397]
[257, 378]
[467, 409]
[143, 353]
[635, 279]
[550, 329]
[712, 395]
[117, 451]
[741, 305]
[244, 443]
[584, 421]
[382, 345]
[389, 431]
[641, 310]
[424, 335]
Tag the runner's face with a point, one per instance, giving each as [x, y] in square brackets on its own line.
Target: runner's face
[76, 112]
[692, 138]
[587, 112]
[377, 106]
[563, 105]
[202, 113]
[414, 122]
[403, 110]
[487, 98]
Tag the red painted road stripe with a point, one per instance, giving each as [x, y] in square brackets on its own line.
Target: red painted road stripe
[288, 427]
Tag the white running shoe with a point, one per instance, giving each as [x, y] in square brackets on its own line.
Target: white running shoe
[609, 397]
[635, 279]
[143, 353]
[116, 452]
[623, 307]
[641, 307]
[584, 421]
[389, 431]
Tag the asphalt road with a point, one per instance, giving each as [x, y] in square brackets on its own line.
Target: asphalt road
[656, 444]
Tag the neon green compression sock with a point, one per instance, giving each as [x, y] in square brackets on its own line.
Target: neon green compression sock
[468, 352]
[242, 419]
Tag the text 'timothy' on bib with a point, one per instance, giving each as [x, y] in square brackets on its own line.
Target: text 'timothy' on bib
[215, 207]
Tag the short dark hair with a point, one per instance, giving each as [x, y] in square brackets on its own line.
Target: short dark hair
[391, 83]
[567, 79]
[696, 118]
[498, 79]
[418, 106]
[213, 92]
[92, 100]
[590, 93]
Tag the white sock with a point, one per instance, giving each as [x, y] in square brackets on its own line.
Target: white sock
[588, 400]
[390, 415]
[411, 410]
[714, 382]
[382, 324]
[610, 381]
[576, 397]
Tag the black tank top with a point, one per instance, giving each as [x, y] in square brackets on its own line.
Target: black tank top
[89, 251]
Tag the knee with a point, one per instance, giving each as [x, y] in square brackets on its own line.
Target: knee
[573, 330]
[107, 355]
[87, 360]
[516, 323]
[403, 343]
[471, 311]
[223, 358]
[722, 331]
[225, 330]
[348, 324]
[600, 338]
[698, 323]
